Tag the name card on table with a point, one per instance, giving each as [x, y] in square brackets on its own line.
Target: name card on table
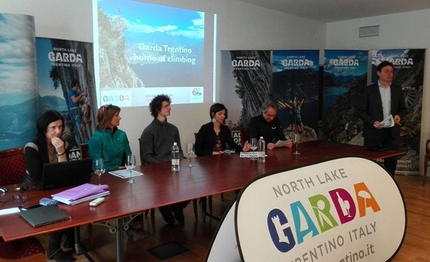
[347, 209]
[253, 154]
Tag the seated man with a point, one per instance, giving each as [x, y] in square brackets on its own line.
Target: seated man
[157, 140]
[268, 126]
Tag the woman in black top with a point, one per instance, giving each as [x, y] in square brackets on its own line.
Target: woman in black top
[49, 147]
[213, 137]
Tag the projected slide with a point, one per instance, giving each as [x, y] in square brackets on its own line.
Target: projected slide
[143, 50]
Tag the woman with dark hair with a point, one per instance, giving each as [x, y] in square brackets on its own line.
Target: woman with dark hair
[108, 142]
[214, 137]
[48, 147]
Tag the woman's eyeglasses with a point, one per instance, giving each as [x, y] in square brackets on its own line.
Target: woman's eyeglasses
[18, 199]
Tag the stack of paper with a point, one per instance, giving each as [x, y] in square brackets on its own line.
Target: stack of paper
[82, 193]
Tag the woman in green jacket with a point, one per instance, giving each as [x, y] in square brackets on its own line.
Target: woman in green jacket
[108, 142]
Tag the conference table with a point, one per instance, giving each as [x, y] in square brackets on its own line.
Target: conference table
[159, 186]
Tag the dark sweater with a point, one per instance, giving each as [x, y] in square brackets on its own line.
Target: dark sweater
[205, 140]
[157, 140]
[270, 131]
[36, 154]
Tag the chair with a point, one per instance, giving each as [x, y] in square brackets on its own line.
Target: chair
[12, 166]
[12, 170]
[83, 149]
[426, 161]
[152, 211]
[204, 201]
[244, 136]
[24, 250]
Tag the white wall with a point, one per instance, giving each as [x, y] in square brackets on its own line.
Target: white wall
[403, 30]
[241, 26]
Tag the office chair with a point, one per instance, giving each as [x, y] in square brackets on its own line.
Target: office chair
[12, 166]
[12, 170]
[83, 149]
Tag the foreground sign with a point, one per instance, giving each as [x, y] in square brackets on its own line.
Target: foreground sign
[347, 209]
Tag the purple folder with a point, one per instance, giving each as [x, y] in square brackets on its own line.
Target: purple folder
[81, 191]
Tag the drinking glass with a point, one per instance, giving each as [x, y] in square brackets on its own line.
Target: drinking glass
[254, 145]
[296, 141]
[130, 163]
[98, 167]
[190, 151]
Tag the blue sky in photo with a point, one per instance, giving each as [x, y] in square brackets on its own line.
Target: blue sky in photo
[279, 55]
[146, 19]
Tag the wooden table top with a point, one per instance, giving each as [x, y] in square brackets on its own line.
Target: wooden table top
[159, 186]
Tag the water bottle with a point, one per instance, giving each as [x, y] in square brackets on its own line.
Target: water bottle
[261, 150]
[176, 160]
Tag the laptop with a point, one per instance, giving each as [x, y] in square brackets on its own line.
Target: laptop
[64, 174]
[43, 215]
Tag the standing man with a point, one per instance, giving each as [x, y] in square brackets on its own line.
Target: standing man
[268, 126]
[377, 102]
[156, 144]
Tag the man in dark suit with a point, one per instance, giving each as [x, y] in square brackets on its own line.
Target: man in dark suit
[377, 102]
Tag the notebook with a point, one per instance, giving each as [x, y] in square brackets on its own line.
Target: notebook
[81, 193]
[64, 174]
[43, 215]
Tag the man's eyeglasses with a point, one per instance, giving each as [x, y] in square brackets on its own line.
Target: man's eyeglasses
[268, 115]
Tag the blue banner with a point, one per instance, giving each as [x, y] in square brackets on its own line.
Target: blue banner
[295, 86]
[345, 72]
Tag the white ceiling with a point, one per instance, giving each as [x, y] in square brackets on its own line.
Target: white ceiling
[340, 10]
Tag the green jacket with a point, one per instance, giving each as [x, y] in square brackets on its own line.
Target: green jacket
[112, 147]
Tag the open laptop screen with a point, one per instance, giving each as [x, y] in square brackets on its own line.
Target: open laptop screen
[63, 174]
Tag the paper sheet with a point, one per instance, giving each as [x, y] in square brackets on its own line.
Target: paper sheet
[281, 143]
[387, 122]
[124, 173]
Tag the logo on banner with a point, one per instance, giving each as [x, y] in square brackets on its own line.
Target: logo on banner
[296, 62]
[245, 63]
[344, 62]
[327, 212]
[118, 98]
[65, 57]
[331, 211]
[235, 134]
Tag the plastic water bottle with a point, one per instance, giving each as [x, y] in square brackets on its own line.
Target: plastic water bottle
[261, 150]
[176, 161]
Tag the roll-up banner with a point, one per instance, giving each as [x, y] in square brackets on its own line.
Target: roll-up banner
[245, 85]
[18, 80]
[295, 90]
[345, 73]
[61, 64]
[331, 211]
